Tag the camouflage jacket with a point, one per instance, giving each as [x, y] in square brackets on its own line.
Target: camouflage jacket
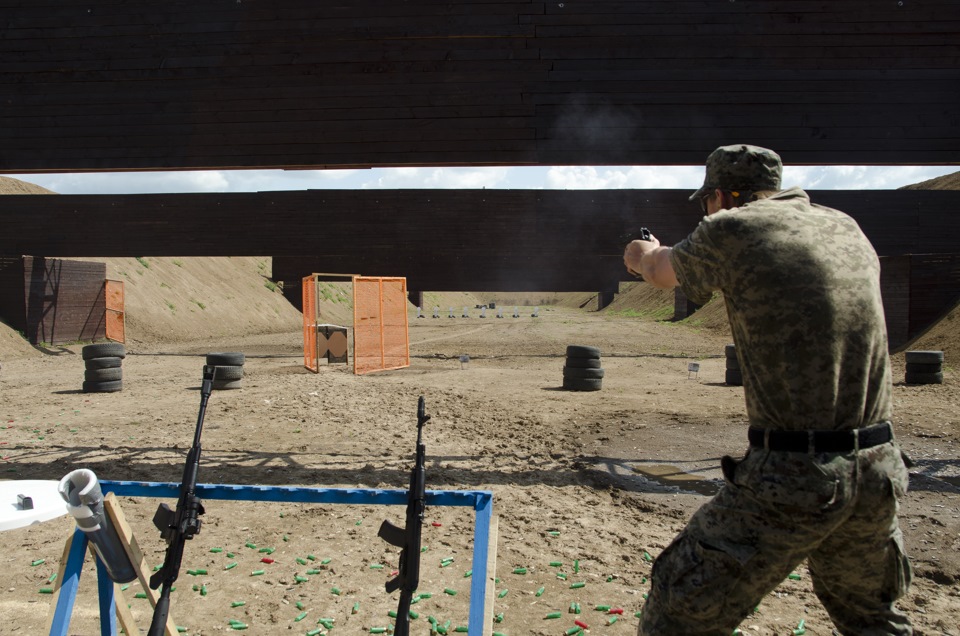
[802, 289]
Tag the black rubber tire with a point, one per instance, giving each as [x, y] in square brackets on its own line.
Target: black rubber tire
[103, 375]
[733, 377]
[924, 357]
[733, 364]
[582, 384]
[104, 350]
[924, 378]
[228, 385]
[228, 373]
[584, 363]
[582, 351]
[102, 387]
[574, 372]
[924, 367]
[730, 351]
[226, 359]
[107, 362]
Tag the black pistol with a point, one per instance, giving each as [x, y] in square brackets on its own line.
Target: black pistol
[408, 539]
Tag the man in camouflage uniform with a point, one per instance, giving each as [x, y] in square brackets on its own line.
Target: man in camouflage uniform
[823, 474]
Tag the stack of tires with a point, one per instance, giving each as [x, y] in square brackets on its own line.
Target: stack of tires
[582, 371]
[229, 374]
[733, 376]
[924, 367]
[103, 361]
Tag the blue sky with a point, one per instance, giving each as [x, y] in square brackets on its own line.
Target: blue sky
[547, 178]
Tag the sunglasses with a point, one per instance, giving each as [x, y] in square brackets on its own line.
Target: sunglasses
[703, 202]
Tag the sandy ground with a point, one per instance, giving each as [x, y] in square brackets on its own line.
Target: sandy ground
[599, 482]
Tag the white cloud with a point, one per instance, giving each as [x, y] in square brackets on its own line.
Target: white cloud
[525, 177]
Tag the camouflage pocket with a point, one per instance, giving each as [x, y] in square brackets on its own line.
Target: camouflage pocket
[700, 578]
[898, 573]
[799, 483]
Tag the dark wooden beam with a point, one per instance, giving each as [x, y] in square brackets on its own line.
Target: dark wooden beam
[105, 85]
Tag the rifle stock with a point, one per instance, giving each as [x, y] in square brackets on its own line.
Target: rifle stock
[408, 539]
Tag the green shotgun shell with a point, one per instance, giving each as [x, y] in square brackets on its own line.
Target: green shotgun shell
[313, 571]
[268, 550]
[252, 546]
[46, 590]
[612, 620]
[238, 604]
[299, 605]
[314, 632]
[257, 573]
[300, 617]
[575, 586]
[325, 561]
[602, 608]
[540, 591]
[554, 533]
[377, 630]
[561, 575]
[203, 590]
[447, 590]
[230, 566]
[335, 590]
[140, 595]
[498, 618]
[553, 615]
[300, 579]
[376, 566]
[53, 577]
[413, 615]
[356, 608]
[468, 574]
[519, 570]
[238, 626]
[646, 556]
[200, 572]
[575, 608]
[216, 550]
[124, 587]
[426, 595]
[38, 562]
[576, 566]
[573, 631]
[301, 561]
[461, 629]
[311, 557]
[556, 564]
[393, 614]
[793, 576]
[502, 593]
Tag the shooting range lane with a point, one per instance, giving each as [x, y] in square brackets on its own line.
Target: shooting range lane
[552, 458]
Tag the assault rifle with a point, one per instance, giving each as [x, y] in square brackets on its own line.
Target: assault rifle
[178, 526]
[409, 539]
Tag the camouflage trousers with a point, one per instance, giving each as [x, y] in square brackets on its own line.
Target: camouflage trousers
[776, 509]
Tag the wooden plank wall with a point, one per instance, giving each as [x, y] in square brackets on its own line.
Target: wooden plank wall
[112, 85]
[64, 300]
[423, 232]
[12, 309]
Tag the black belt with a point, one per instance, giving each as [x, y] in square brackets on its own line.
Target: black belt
[821, 441]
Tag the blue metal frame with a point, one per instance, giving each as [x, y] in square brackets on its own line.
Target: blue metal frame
[480, 500]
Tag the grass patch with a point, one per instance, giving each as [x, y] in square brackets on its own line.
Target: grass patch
[272, 286]
[178, 262]
[198, 304]
[143, 262]
[172, 307]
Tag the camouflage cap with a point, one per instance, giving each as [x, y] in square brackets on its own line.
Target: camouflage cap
[741, 167]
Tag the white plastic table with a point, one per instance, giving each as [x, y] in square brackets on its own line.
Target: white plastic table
[47, 502]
